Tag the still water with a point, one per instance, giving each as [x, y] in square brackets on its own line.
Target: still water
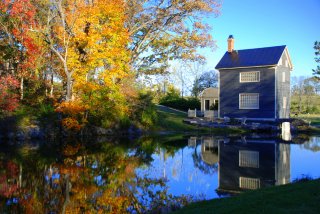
[146, 174]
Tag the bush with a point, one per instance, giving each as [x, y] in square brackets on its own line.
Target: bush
[145, 113]
[182, 103]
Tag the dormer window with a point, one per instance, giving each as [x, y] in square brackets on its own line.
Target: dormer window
[251, 76]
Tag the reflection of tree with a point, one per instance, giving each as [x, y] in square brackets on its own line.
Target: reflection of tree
[313, 144]
[76, 178]
[200, 164]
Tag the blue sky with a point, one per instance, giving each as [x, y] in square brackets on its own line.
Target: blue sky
[265, 23]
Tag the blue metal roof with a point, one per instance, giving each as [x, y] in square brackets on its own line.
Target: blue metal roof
[251, 57]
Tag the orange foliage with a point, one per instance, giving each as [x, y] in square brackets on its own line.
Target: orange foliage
[74, 112]
[115, 204]
[71, 124]
[70, 150]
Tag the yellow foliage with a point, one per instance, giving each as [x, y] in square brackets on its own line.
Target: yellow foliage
[98, 54]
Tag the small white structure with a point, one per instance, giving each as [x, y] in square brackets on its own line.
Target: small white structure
[208, 98]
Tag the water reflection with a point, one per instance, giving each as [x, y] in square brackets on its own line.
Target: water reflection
[249, 163]
[80, 178]
[145, 175]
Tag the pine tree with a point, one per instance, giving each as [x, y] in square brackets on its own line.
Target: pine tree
[316, 72]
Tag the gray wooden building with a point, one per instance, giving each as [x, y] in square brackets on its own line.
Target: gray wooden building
[255, 83]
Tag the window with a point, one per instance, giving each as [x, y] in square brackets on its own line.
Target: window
[286, 63]
[252, 76]
[283, 76]
[248, 159]
[249, 183]
[249, 101]
[284, 102]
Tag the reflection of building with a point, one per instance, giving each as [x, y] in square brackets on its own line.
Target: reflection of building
[209, 148]
[252, 164]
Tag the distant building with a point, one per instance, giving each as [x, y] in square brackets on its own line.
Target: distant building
[255, 83]
[208, 98]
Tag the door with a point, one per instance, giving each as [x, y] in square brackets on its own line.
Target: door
[206, 105]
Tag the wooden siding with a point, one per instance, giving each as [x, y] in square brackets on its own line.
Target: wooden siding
[283, 88]
[230, 88]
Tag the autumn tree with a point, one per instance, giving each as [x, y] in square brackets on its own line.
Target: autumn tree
[167, 30]
[88, 38]
[8, 95]
[20, 49]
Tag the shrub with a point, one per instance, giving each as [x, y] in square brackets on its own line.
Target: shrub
[182, 103]
[9, 98]
[73, 114]
[145, 112]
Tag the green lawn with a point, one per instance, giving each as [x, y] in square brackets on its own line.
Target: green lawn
[302, 197]
[171, 120]
[314, 119]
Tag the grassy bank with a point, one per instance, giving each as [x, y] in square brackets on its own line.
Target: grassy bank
[302, 197]
[172, 121]
[313, 119]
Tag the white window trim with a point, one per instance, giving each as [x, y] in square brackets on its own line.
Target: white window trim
[249, 72]
[249, 159]
[258, 107]
[249, 183]
[283, 76]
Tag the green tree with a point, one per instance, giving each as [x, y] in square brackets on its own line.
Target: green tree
[316, 72]
[167, 30]
[206, 80]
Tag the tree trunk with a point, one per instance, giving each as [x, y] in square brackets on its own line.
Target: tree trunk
[51, 85]
[67, 194]
[21, 88]
[20, 175]
[300, 101]
[69, 87]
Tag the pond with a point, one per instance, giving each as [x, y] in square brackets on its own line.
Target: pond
[149, 174]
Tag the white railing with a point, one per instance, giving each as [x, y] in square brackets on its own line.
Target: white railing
[208, 114]
[192, 113]
[192, 142]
